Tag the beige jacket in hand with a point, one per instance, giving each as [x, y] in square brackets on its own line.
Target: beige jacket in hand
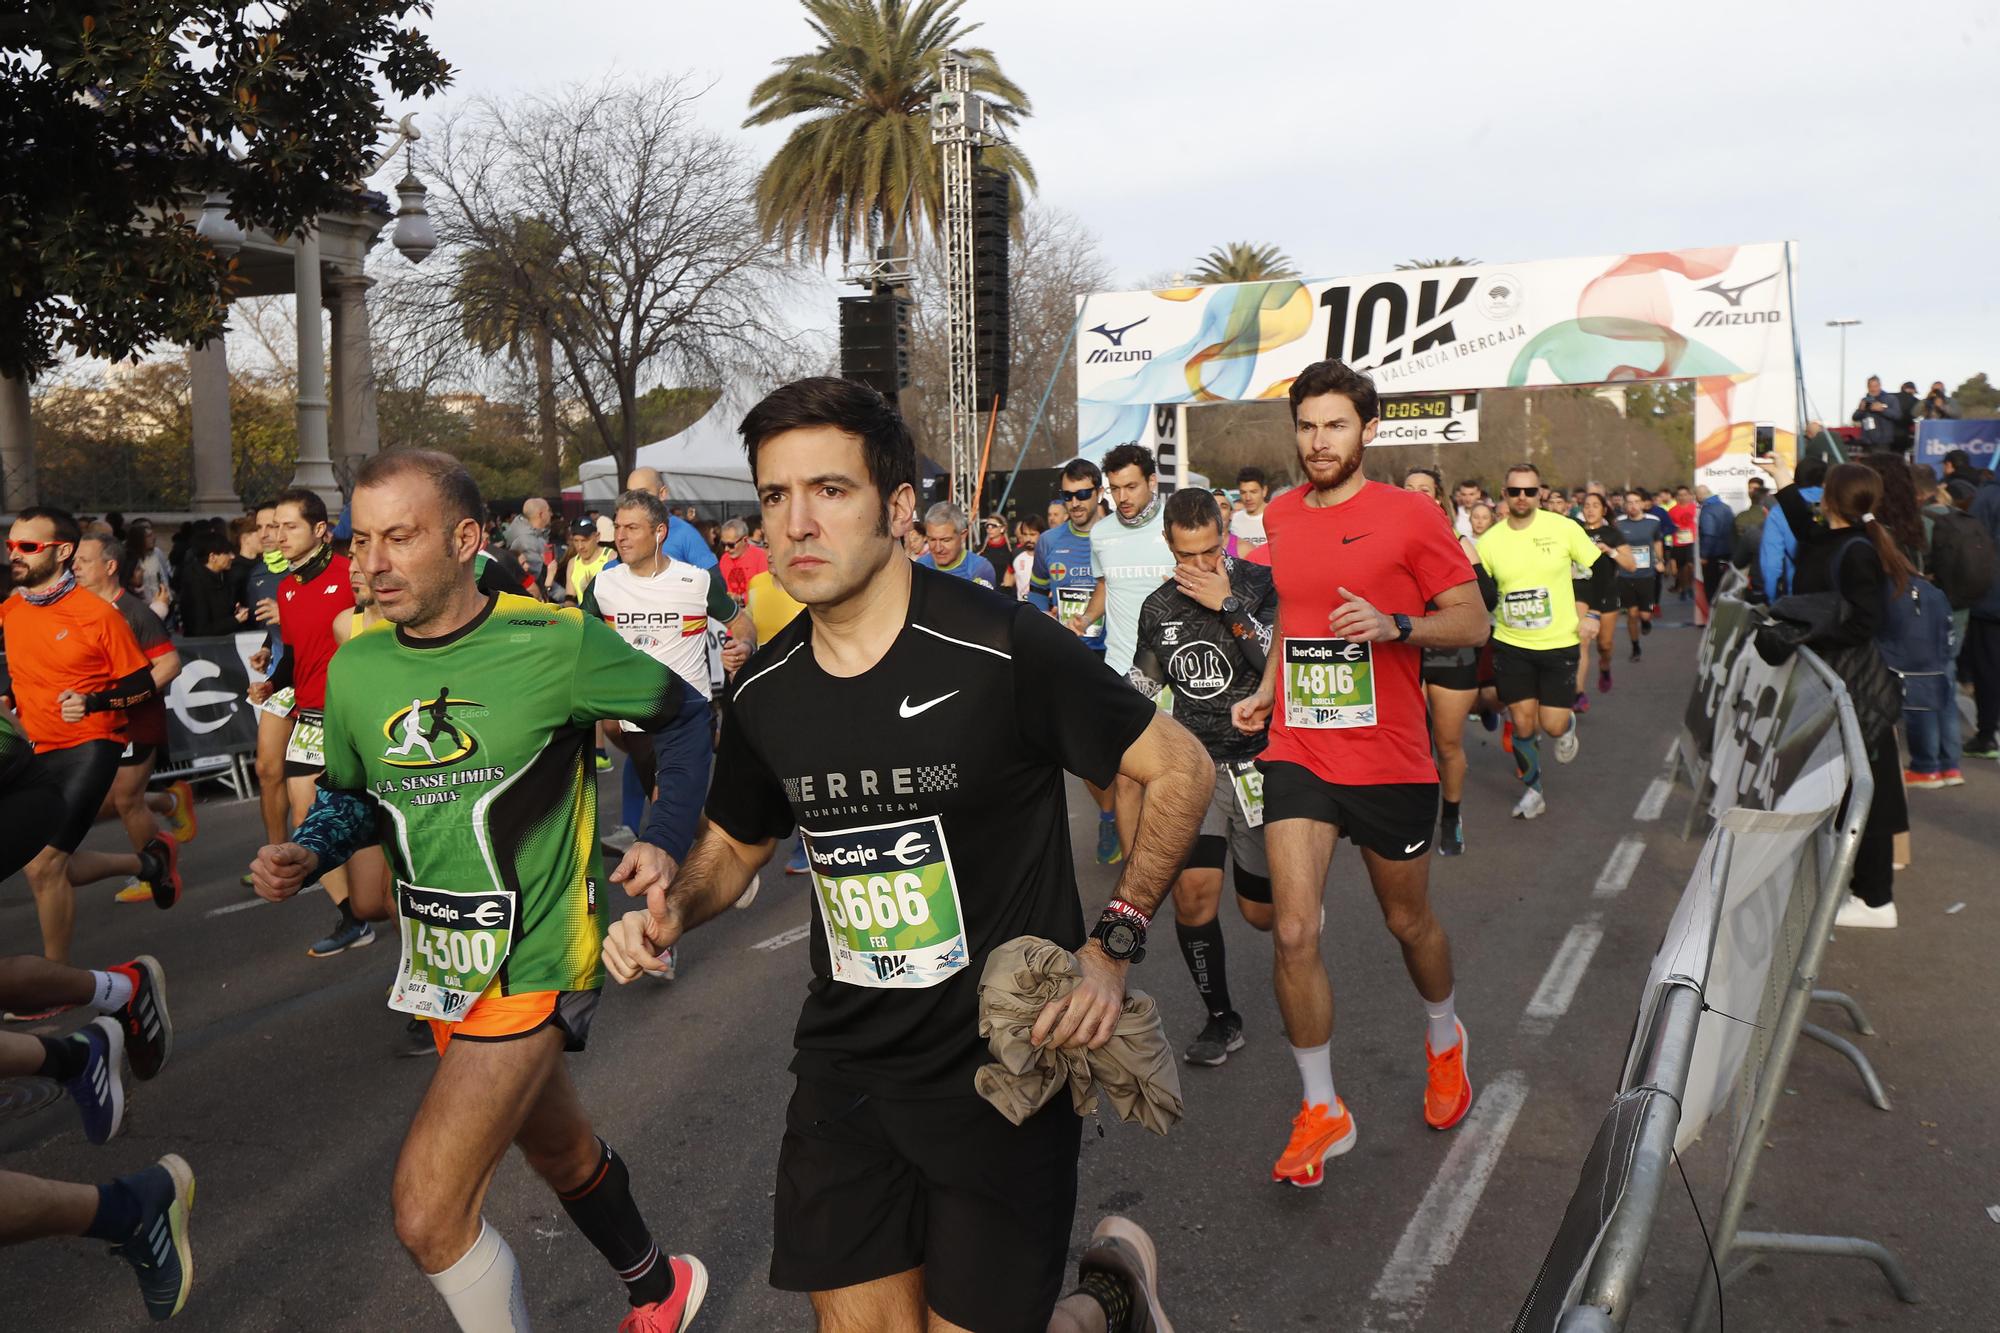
[1135, 1069]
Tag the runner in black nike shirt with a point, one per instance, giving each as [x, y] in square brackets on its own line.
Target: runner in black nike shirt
[917, 730]
[1205, 635]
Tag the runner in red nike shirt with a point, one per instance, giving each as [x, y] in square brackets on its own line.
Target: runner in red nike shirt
[1356, 564]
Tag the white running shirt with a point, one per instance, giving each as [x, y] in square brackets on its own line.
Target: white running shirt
[666, 616]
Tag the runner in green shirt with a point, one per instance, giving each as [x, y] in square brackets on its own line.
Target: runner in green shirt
[464, 738]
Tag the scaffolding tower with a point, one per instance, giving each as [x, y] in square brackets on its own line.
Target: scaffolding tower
[960, 126]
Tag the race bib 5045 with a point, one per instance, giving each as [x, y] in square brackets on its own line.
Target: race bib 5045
[1329, 683]
[1526, 608]
[889, 903]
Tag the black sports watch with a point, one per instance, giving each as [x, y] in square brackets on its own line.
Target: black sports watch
[1402, 627]
[1122, 939]
[1231, 604]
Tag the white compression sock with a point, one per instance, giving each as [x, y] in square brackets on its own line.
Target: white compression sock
[483, 1289]
[113, 992]
[1443, 1017]
[1316, 1072]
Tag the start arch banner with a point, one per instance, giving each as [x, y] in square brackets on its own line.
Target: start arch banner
[1720, 316]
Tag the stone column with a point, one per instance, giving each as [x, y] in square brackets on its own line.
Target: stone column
[208, 422]
[18, 485]
[355, 432]
[315, 470]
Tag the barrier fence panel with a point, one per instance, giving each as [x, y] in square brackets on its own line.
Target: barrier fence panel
[1782, 773]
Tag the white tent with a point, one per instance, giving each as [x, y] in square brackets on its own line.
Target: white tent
[704, 464]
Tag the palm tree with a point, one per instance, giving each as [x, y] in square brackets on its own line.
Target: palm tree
[859, 165]
[506, 293]
[1240, 261]
[1453, 262]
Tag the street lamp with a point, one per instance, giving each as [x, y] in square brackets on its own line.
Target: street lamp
[216, 227]
[414, 237]
[1843, 325]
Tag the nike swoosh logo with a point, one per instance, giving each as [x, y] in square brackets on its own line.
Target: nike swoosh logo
[906, 710]
[1413, 847]
[1345, 541]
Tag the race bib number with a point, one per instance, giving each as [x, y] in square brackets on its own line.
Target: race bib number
[1684, 539]
[889, 903]
[453, 946]
[1248, 780]
[1329, 683]
[280, 704]
[1071, 603]
[1526, 608]
[1642, 557]
[308, 743]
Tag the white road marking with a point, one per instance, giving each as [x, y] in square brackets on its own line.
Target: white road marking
[1552, 998]
[258, 902]
[792, 936]
[1654, 803]
[1673, 753]
[1434, 1230]
[1618, 869]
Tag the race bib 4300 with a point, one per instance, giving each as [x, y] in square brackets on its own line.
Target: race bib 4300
[453, 947]
[1329, 683]
[889, 902]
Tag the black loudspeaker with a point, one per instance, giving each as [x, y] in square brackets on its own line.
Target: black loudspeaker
[875, 342]
[992, 220]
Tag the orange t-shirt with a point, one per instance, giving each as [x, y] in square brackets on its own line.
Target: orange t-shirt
[79, 643]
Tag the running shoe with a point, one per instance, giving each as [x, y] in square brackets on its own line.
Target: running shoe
[1951, 777]
[604, 763]
[1981, 747]
[165, 878]
[347, 935]
[1507, 735]
[1451, 838]
[1109, 851]
[1582, 704]
[1857, 915]
[181, 819]
[158, 1248]
[1317, 1136]
[795, 864]
[621, 838]
[1922, 781]
[1567, 743]
[1489, 720]
[1532, 805]
[1448, 1092]
[1604, 682]
[675, 1313]
[1635, 650]
[417, 1040]
[99, 1091]
[1121, 1249]
[750, 894]
[1646, 626]
[1218, 1038]
[136, 890]
[144, 1019]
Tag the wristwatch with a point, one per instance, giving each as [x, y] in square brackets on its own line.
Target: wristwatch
[1231, 604]
[1402, 627]
[1121, 932]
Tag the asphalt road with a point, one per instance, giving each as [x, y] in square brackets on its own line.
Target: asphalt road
[287, 1094]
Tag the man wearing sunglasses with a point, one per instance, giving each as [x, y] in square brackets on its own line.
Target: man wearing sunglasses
[1061, 584]
[741, 561]
[74, 668]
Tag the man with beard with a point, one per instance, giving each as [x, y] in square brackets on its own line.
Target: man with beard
[1356, 564]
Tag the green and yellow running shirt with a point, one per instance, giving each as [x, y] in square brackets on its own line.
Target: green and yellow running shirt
[477, 750]
[1537, 607]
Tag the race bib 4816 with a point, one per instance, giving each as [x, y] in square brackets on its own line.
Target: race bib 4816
[889, 903]
[1329, 683]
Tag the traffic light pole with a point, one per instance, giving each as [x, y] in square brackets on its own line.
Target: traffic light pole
[958, 128]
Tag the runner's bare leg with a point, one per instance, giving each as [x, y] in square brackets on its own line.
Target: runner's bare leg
[1300, 851]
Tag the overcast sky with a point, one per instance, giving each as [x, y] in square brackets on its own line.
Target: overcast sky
[1357, 136]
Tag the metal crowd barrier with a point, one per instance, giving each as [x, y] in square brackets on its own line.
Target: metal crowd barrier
[1591, 1275]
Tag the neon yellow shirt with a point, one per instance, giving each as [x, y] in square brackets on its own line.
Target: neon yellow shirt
[1537, 608]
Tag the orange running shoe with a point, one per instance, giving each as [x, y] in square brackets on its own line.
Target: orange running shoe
[1316, 1136]
[181, 822]
[137, 891]
[1448, 1094]
[1507, 735]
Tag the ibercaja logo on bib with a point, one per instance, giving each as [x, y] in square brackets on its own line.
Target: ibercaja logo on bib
[889, 902]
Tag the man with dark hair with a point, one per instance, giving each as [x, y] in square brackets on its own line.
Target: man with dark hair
[908, 721]
[1536, 650]
[1958, 465]
[1464, 496]
[75, 668]
[1062, 584]
[1247, 523]
[1368, 576]
[1780, 547]
[490, 811]
[1204, 635]
[1639, 583]
[204, 595]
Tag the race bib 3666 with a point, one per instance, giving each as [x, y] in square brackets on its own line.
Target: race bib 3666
[889, 903]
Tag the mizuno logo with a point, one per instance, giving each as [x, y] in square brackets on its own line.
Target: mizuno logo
[1116, 337]
[907, 710]
[1734, 295]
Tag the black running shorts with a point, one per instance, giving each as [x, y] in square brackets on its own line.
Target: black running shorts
[83, 774]
[1546, 675]
[29, 807]
[869, 1187]
[1635, 594]
[136, 753]
[1451, 668]
[1392, 819]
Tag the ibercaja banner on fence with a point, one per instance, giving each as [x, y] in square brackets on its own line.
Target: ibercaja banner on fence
[1720, 316]
[207, 713]
[1774, 754]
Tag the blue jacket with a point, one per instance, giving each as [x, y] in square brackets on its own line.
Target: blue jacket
[1915, 639]
[1715, 528]
[1780, 549]
[1986, 508]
